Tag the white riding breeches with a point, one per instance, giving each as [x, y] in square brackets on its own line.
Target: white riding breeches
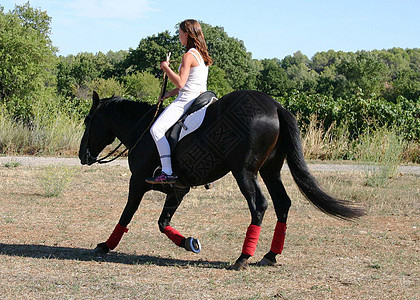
[165, 121]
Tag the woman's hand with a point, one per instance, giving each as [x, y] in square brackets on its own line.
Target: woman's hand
[164, 65]
[166, 96]
[172, 93]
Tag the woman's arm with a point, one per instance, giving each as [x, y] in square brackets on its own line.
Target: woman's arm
[172, 93]
[186, 64]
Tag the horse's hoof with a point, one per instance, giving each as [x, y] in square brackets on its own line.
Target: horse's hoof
[267, 263]
[101, 250]
[239, 266]
[192, 244]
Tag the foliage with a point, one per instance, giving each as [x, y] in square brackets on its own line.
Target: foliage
[217, 81]
[230, 55]
[272, 79]
[330, 143]
[357, 111]
[27, 58]
[344, 90]
[151, 52]
[52, 131]
[75, 72]
[142, 86]
[105, 88]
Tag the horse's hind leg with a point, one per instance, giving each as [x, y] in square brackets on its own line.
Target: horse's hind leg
[270, 173]
[172, 202]
[248, 184]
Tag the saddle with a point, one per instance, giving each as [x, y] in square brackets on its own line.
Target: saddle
[191, 119]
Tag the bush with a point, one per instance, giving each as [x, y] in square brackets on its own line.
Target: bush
[358, 112]
[142, 86]
[51, 131]
[105, 88]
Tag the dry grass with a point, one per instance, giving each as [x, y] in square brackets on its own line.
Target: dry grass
[319, 143]
[48, 134]
[45, 242]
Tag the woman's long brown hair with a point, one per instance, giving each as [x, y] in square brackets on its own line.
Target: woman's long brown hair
[196, 39]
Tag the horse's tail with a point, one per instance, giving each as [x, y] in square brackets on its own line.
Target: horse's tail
[307, 184]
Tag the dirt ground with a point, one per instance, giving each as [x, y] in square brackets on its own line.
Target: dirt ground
[46, 240]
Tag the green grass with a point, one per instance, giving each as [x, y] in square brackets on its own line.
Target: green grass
[12, 164]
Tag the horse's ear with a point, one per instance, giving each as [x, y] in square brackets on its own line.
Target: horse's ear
[95, 99]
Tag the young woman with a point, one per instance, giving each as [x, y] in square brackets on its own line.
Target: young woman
[190, 83]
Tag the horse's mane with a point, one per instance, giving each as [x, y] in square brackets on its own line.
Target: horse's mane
[125, 107]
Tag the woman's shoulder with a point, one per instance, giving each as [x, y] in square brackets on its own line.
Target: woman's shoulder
[187, 56]
[193, 52]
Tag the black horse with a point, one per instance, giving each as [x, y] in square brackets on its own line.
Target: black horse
[245, 132]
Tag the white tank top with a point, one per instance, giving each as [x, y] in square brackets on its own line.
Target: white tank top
[197, 79]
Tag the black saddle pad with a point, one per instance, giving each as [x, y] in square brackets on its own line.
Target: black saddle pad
[173, 133]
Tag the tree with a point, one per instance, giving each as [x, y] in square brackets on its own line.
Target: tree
[75, 72]
[115, 64]
[151, 52]
[362, 70]
[27, 57]
[323, 60]
[301, 76]
[230, 55]
[272, 79]
[217, 81]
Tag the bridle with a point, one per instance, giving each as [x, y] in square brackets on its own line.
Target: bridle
[90, 116]
[103, 160]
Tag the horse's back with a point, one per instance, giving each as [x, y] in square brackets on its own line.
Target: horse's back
[238, 131]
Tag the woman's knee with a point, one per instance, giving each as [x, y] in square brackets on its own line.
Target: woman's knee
[157, 132]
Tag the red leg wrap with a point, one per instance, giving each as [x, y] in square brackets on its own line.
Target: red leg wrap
[278, 238]
[173, 235]
[251, 240]
[116, 236]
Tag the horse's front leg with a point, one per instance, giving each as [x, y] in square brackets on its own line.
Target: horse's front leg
[136, 192]
[172, 202]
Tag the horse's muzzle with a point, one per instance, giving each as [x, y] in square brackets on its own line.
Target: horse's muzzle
[87, 158]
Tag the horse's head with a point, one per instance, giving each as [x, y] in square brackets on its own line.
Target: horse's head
[96, 136]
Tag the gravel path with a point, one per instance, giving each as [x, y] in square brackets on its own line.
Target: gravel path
[42, 161]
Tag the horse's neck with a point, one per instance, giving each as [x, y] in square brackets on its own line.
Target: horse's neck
[128, 120]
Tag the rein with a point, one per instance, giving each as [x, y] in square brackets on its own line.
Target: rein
[103, 160]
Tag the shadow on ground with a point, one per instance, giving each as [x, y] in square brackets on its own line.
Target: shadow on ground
[80, 254]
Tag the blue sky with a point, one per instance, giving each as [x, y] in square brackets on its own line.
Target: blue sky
[269, 28]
